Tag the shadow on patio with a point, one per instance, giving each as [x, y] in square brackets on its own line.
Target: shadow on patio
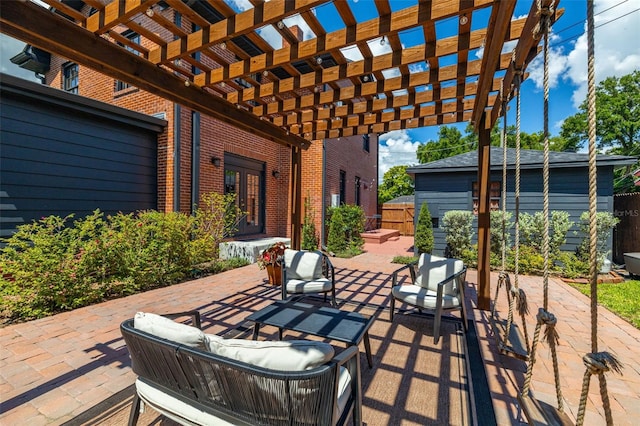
[73, 368]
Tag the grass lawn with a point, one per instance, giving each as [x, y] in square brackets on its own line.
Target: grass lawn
[623, 299]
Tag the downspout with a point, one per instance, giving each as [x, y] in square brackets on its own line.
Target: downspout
[195, 159]
[176, 156]
[324, 190]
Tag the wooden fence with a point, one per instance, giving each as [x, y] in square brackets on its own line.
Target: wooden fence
[626, 236]
[399, 217]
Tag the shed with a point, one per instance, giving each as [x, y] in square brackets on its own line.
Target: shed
[451, 184]
[398, 214]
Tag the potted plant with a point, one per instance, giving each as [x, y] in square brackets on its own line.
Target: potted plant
[271, 259]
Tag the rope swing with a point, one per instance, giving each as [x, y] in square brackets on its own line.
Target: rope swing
[595, 362]
[509, 339]
[544, 317]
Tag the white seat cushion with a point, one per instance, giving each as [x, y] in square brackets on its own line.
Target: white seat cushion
[184, 413]
[422, 297]
[314, 286]
[174, 408]
[169, 329]
[302, 265]
[286, 355]
[435, 269]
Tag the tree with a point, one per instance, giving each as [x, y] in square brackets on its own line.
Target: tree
[395, 183]
[617, 122]
[449, 143]
[423, 239]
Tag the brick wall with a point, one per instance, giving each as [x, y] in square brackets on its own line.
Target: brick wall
[217, 137]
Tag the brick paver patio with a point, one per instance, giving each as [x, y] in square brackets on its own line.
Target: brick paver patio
[54, 369]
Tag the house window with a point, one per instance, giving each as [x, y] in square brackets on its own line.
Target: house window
[134, 38]
[494, 194]
[357, 190]
[196, 55]
[365, 142]
[70, 78]
[343, 186]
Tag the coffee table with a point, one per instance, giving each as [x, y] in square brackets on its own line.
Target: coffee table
[347, 327]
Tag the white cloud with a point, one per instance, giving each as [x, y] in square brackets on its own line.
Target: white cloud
[616, 54]
[396, 149]
[557, 65]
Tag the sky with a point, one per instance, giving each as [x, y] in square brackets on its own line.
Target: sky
[617, 53]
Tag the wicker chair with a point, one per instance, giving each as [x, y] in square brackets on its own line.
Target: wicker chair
[192, 386]
[437, 284]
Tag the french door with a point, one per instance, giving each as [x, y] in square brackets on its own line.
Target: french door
[245, 177]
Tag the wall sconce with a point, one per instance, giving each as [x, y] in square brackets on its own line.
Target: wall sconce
[215, 161]
[275, 174]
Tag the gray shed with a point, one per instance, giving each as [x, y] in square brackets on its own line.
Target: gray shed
[451, 184]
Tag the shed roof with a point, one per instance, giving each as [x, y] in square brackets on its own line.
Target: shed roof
[404, 199]
[529, 159]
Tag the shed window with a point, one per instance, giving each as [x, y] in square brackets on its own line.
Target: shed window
[70, 78]
[495, 194]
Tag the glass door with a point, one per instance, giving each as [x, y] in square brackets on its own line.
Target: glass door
[245, 177]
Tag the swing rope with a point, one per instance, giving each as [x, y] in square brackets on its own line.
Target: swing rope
[595, 362]
[516, 296]
[544, 317]
[503, 276]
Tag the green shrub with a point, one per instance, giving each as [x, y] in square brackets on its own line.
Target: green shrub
[346, 224]
[423, 239]
[457, 226]
[496, 232]
[51, 265]
[605, 222]
[309, 234]
[216, 219]
[403, 260]
[532, 230]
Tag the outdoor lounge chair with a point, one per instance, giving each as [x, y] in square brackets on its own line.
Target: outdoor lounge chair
[195, 378]
[305, 272]
[437, 284]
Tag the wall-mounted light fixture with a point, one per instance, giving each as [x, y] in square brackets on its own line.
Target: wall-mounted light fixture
[215, 161]
[275, 174]
[464, 20]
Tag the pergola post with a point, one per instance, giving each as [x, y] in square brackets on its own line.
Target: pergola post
[295, 191]
[484, 217]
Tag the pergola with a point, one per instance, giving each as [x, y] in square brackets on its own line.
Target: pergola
[328, 85]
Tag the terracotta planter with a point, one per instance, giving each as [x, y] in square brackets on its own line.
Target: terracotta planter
[275, 274]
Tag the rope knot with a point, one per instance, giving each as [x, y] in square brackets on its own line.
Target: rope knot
[546, 318]
[601, 362]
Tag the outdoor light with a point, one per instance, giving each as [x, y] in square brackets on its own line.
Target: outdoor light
[265, 73]
[464, 20]
[318, 60]
[223, 45]
[275, 173]
[149, 12]
[280, 24]
[215, 161]
[383, 41]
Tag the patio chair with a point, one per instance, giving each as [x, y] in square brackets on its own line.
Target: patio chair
[308, 272]
[437, 284]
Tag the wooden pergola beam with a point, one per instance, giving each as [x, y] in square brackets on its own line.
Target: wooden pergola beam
[361, 32]
[38, 27]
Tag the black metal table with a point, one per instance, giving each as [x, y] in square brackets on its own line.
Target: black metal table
[330, 323]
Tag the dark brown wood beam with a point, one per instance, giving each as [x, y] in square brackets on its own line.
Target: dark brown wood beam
[498, 27]
[295, 192]
[484, 218]
[37, 26]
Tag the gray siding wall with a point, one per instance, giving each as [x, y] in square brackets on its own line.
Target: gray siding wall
[568, 191]
[57, 160]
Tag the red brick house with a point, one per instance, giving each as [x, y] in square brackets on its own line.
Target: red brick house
[199, 154]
